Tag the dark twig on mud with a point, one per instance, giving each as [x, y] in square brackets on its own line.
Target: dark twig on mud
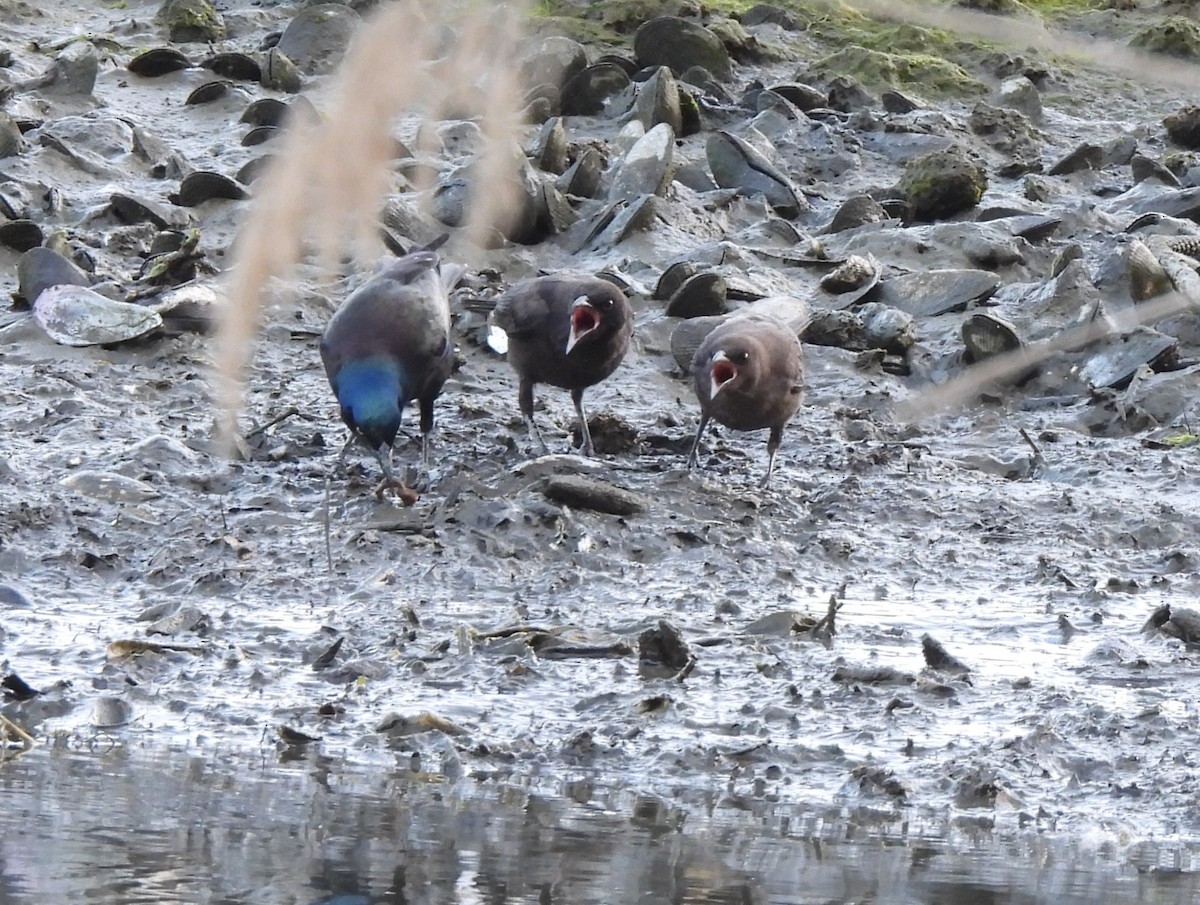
[328, 541]
[687, 669]
[826, 627]
[9, 728]
[289, 412]
[1037, 453]
[587, 651]
[511, 630]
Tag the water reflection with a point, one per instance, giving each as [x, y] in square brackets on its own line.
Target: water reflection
[124, 828]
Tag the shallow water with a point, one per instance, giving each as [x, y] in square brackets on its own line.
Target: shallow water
[916, 528]
[121, 827]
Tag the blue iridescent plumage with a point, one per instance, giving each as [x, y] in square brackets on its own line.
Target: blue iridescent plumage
[389, 345]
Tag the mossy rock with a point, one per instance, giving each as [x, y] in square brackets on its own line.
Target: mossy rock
[1174, 36]
[923, 72]
[680, 44]
[942, 183]
[626, 16]
[995, 7]
[1183, 127]
[192, 20]
[1007, 130]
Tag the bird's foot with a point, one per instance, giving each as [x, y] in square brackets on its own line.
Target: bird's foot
[405, 494]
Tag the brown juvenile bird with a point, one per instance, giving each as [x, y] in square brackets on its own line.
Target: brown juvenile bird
[747, 374]
[568, 330]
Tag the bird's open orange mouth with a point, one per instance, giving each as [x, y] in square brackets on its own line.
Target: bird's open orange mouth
[722, 372]
[584, 319]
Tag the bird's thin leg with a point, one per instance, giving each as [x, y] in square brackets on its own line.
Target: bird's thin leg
[525, 402]
[406, 494]
[426, 430]
[773, 442]
[691, 462]
[587, 449]
[384, 455]
[353, 439]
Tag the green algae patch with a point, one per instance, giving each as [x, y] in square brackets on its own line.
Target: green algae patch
[1174, 36]
[924, 73]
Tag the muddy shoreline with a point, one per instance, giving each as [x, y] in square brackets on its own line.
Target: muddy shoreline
[492, 632]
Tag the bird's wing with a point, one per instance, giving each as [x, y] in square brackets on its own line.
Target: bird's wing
[522, 309]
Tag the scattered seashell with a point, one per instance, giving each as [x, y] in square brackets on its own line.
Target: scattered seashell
[253, 169]
[208, 92]
[266, 111]
[582, 178]
[934, 292]
[258, 135]
[587, 93]
[1122, 354]
[986, 335]
[736, 164]
[205, 185]
[132, 209]
[856, 272]
[701, 295]
[40, 268]
[75, 315]
[238, 66]
[674, 277]
[110, 486]
[158, 61]
[20, 235]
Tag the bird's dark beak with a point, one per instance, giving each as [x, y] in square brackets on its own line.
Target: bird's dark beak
[721, 370]
[584, 319]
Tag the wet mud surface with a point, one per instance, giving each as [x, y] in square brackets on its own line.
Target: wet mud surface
[164, 596]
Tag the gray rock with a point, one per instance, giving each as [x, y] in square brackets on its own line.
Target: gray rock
[11, 141]
[582, 178]
[768, 13]
[1123, 354]
[1086, 156]
[1019, 93]
[681, 44]
[549, 151]
[658, 101]
[887, 328]
[1144, 167]
[736, 164]
[847, 94]
[73, 72]
[317, 37]
[41, 268]
[74, 315]
[936, 292]
[856, 211]
[588, 93]
[583, 492]
[896, 102]
[555, 61]
[646, 169]
[805, 97]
